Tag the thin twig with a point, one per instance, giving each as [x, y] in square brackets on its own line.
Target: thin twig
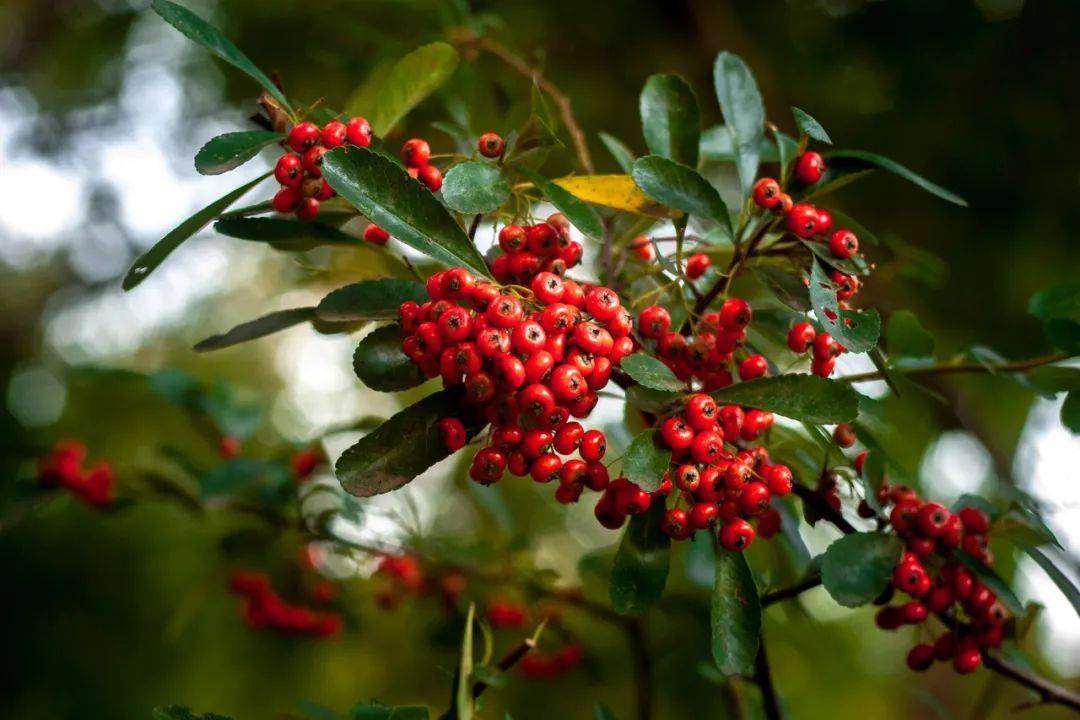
[763, 678]
[961, 368]
[639, 654]
[771, 598]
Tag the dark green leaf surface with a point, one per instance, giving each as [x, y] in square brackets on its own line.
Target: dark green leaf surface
[385, 194]
[410, 80]
[370, 300]
[377, 711]
[651, 373]
[670, 119]
[641, 563]
[211, 38]
[231, 150]
[856, 568]
[1060, 579]
[380, 363]
[475, 187]
[808, 398]
[717, 144]
[645, 462]
[624, 157]
[744, 113]
[680, 188]
[906, 337]
[580, 214]
[257, 328]
[735, 615]
[809, 126]
[1070, 411]
[288, 234]
[148, 261]
[179, 712]
[650, 400]
[1064, 334]
[854, 160]
[786, 286]
[856, 331]
[404, 446]
[1057, 302]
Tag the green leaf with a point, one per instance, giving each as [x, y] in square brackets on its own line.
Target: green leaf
[148, 261]
[645, 462]
[404, 86]
[809, 126]
[1057, 302]
[475, 187]
[211, 38]
[717, 144]
[744, 113]
[992, 580]
[463, 696]
[787, 287]
[1052, 379]
[179, 712]
[622, 154]
[580, 214]
[602, 712]
[735, 615]
[370, 300]
[680, 188]
[906, 337]
[257, 328]
[670, 119]
[641, 563]
[375, 710]
[1064, 334]
[856, 160]
[786, 148]
[856, 568]
[231, 477]
[649, 400]
[385, 193]
[380, 363]
[283, 233]
[808, 398]
[404, 446]
[856, 331]
[1070, 411]
[651, 373]
[231, 150]
[1060, 579]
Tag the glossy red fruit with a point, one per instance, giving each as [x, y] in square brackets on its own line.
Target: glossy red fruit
[974, 520]
[431, 176]
[702, 411]
[675, 523]
[488, 465]
[843, 244]
[800, 337]
[358, 132]
[654, 321]
[914, 612]
[803, 220]
[920, 657]
[766, 193]
[491, 145]
[289, 170]
[696, 265]
[844, 435]
[932, 519]
[967, 660]
[752, 367]
[285, 200]
[308, 209]
[452, 432]
[303, 136]
[703, 515]
[778, 478]
[415, 153]
[593, 445]
[735, 314]
[512, 238]
[736, 535]
[809, 168]
[545, 468]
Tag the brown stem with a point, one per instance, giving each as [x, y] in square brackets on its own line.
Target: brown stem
[723, 283]
[787, 593]
[961, 368]
[581, 148]
[508, 661]
[763, 677]
[815, 500]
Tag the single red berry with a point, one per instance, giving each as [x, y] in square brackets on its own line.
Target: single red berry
[735, 314]
[313, 161]
[707, 446]
[289, 170]
[452, 432]
[974, 520]
[912, 579]
[967, 660]
[415, 153]
[431, 177]
[675, 522]
[754, 499]
[696, 265]
[545, 468]
[888, 618]
[505, 311]
[643, 248]
[542, 239]
[778, 478]
[308, 210]
[783, 204]
[229, 447]
[488, 466]
[334, 134]
[932, 519]
[512, 238]
[285, 200]
[920, 657]
[602, 303]
[358, 132]
[767, 192]
[844, 435]
[914, 612]
[303, 136]
[825, 347]
[567, 382]
[755, 423]
[843, 244]
[800, 337]
[687, 477]
[736, 535]
[703, 515]
[527, 338]
[677, 433]
[702, 411]
[809, 168]
[654, 321]
[593, 445]
[752, 367]
[491, 145]
[824, 222]
[548, 287]
[632, 500]
[803, 220]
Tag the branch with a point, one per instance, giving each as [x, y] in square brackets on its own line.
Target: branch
[763, 677]
[961, 368]
[469, 39]
[639, 654]
[813, 498]
[723, 283]
[770, 598]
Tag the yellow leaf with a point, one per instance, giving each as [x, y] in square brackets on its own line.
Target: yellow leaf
[613, 191]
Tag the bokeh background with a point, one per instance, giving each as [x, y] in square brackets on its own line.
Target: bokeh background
[102, 107]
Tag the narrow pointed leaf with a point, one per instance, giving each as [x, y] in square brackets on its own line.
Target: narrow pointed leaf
[809, 126]
[211, 38]
[475, 187]
[645, 461]
[284, 233]
[735, 615]
[651, 373]
[257, 328]
[231, 150]
[412, 78]
[580, 215]
[1067, 588]
[744, 113]
[641, 563]
[148, 261]
[381, 364]
[670, 119]
[854, 160]
[370, 300]
[407, 444]
[856, 568]
[385, 194]
[623, 155]
[808, 398]
[856, 331]
[681, 188]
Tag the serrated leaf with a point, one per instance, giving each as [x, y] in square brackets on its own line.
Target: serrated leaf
[475, 187]
[404, 446]
[670, 119]
[641, 563]
[1057, 302]
[385, 194]
[231, 150]
[381, 364]
[856, 160]
[148, 261]
[202, 32]
[735, 615]
[906, 337]
[257, 328]
[402, 87]
[856, 568]
[808, 398]
[618, 192]
[580, 215]
[856, 331]
[744, 113]
[992, 580]
[1068, 589]
[370, 300]
[645, 461]
[681, 188]
[624, 157]
[809, 126]
[651, 373]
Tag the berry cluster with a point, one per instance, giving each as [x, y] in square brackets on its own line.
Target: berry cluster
[825, 349]
[938, 584]
[300, 172]
[526, 366]
[532, 249]
[709, 355]
[64, 468]
[402, 576]
[265, 610]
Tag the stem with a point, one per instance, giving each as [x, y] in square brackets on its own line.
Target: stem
[788, 593]
[508, 661]
[813, 498]
[763, 678]
[483, 44]
[723, 283]
[474, 225]
[961, 368]
[639, 653]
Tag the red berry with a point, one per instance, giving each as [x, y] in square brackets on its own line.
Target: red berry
[701, 411]
[967, 660]
[767, 192]
[735, 314]
[843, 244]
[752, 367]
[505, 311]
[548, 287]
[914, 612]
[308, 210]
[687, 477]
[568, 438]
[974, 520]
[593, 445]
[542, 239]
[452, 432]
[809, 168]
[431, 177]
[825, 347]
[491, 145]
[736, 535]
[602, 303]
[803, 220]
[303, 136]
[778, 478]
[920, 657]
[643, 248]
[677, 433]
[358, 132]
[512, 238]
[545, 468]
[285, 200]
[654, 321]
[800, 337]
[675, 522]
[415, 153]
[334, 134]
[289, 170]
[932, 519]
[769, 523]
[754, 499]
[707, 446]
[696, 265]
[313, 161]
[844, 435]
[488, 465]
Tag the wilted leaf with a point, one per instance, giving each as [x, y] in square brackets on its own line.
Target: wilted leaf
[580, 215]
[618, 192]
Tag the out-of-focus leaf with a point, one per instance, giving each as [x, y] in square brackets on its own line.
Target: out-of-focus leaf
[377, 711]
[856, 331]
[1068, 589]
[670, 119]
[622, 154]
[809, 126]
[641, 563]
[257, 328]
[283, 233]
[1070, 411]
[786, 286]
[1057, 302]
[855, 160]
[809, 398]
[645, 462]
[651, 373]
[475, 187]
[231, 477]
[179, 712]
[618, 192]
[906, 337]
[381, 364]
[370, 300]
[680, 188]
[744, 113]
[1064, 334]
[735, 615]
[231, 150]
[463, 695]
[856, 568]
[580, 215]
